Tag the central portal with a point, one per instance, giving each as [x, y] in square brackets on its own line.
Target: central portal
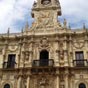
[44, 58]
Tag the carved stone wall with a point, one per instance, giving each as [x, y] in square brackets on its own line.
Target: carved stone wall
[43, 82]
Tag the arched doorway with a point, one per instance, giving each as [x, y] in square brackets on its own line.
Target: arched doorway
[6, 86]
[44, 58]
[82, 85]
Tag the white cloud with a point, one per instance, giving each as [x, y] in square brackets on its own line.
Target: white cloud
[76, 11]
[12, 11]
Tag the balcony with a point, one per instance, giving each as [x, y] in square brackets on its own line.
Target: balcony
[80, 63]
[7, 65]
[43, 66]
[43, 63]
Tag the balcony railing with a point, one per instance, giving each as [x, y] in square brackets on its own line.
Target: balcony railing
[80, 63]
[43, 63]
[7, 65]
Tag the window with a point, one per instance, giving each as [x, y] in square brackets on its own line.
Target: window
[82, 85]
[79, 58]
[44, 58]
[79, 55]
[11, 61]
[6, 86]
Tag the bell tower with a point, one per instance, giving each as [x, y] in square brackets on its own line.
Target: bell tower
[45, 13]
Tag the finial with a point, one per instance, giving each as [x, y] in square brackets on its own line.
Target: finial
[8, 32]
[22, 31]
[84, 27]
[65, 23]
[26, 26]
[69, 26]
[35, 4]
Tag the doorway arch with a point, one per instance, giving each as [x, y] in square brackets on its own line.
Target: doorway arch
[82, 85]
[44, 58]
[6, 86]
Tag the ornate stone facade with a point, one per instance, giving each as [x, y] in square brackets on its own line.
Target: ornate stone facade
[46, 55]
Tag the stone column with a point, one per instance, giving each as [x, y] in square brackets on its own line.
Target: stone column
[19, 82]
[28, 82]
[56, 55]
[57, 79]
[66, 57]
[66, 79]
[72, 82]
[57, 86]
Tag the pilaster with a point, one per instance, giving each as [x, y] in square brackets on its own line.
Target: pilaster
[57, 79]
[66, 57]
[28, 81]
[57, 82]
[66, 78]
[19, 82]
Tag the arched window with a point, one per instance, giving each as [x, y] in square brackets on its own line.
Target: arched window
[82, 85]
[44, 58]
[6, 86]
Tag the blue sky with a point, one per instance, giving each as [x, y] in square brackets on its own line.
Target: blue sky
[15, 13]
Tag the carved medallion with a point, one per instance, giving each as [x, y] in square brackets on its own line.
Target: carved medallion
[78, 44]
[44, 43]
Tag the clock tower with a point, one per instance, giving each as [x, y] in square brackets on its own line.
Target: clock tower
[45, 13]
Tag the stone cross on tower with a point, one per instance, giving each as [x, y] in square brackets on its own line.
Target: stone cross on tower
[45, 13]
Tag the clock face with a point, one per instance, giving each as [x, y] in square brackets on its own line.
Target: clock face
[46, 2]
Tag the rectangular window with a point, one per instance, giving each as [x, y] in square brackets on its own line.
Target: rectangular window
[11, 61]
[79, 58]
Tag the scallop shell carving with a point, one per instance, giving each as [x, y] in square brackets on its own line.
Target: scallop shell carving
[13, 48]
